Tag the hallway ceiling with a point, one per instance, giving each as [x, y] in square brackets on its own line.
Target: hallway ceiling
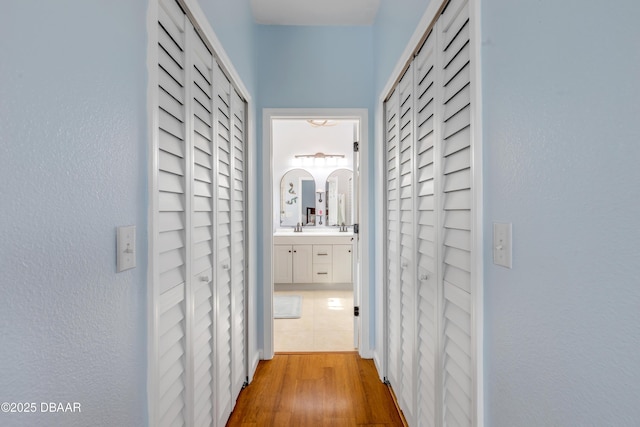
[312, 12]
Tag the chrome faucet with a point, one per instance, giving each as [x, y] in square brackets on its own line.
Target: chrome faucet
[298, 228]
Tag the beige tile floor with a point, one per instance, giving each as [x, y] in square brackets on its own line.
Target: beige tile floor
[326, 323]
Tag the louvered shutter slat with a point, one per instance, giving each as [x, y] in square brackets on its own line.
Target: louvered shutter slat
[170, 183]
[171, 44]
[171, 163]
[170, 144]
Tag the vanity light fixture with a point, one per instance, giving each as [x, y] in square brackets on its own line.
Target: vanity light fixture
[319, 156]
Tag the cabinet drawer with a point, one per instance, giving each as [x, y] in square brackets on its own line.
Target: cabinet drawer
[322, 254]
[322, 273]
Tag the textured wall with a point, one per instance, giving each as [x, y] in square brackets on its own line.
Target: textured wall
[72, 168]
[315, 67]
[561, 135]
[395, 24]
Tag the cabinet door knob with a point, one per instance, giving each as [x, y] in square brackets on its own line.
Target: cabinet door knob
[424, 277]
[289, 251]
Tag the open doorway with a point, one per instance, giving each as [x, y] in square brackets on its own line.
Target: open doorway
[313, 236]
[313, 251]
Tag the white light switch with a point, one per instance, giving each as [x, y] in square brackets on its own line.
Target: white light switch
[126, 248]
[502, 244]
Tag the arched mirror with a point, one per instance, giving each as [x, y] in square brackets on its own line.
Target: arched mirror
[297, 198]
[339, 193]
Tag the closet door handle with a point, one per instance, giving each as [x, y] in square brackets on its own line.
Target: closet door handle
[204, 279]
[424, 277]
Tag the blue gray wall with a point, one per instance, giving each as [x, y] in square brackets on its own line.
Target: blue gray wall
[73, 166]
[311, 67]
[562, 146]
[395, 23]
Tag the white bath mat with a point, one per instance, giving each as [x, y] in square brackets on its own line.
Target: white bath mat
[287, 306]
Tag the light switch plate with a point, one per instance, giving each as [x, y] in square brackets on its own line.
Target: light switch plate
[126, 248]
[502, 244]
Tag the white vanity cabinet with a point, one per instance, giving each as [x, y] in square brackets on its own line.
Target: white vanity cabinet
[302, 271]
[292, 264]
[342, 263]
[322, 263]
[312, 258]
[283, 263]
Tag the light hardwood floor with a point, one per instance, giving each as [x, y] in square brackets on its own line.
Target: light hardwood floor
[315, 389]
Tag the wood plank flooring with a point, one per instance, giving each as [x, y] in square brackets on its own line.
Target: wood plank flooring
[315, 389]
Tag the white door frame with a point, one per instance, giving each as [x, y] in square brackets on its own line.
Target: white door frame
[268, 114]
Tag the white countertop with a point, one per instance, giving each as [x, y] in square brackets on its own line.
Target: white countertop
[313, 232]
[309, 233]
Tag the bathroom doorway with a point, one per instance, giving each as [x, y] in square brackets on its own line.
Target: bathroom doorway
[312, 253]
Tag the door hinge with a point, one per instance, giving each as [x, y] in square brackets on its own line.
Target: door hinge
[356, 311]
[356, 228]
[356, 146]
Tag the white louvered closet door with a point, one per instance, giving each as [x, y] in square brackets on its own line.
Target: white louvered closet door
[198, 345]
[405, 389]
[238, 239]
[426, 223]
[202, 231]
[222, 89]
[455, 104]
[430, 339]
[393, 332]
[170, 275]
